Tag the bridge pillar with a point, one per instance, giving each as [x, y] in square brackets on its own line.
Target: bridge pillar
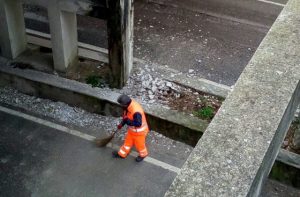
[120, 40]
[63, 28]
[12, 28]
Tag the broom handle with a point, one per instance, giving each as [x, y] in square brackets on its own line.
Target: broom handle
[116, 131]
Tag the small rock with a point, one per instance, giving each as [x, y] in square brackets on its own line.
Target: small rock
[4, 160]
[169, 84]
[151, 101]
[151, 97]
[145, 84]
[191, 70]
[150, 92]
[177, 95]
[162, 87]
[154, 88]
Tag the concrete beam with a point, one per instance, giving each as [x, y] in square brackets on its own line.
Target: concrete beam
[84, 50]
[63, 28]
[120, 40]
[239, 147]
[65, 5]
[289, 158]
[296, 139]
[12, 26]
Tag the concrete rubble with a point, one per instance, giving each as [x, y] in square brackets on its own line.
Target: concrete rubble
[148, 88]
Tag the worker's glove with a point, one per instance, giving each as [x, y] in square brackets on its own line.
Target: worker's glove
[120, 126]
[124, 117]
[126, 121]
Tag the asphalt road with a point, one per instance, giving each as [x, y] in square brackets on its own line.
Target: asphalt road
[36, 160]
[216, 39]
[252, 12]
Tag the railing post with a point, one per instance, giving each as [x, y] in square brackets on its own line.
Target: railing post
[12, 28]
[63, 28]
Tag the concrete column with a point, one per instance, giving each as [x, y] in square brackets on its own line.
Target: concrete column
[120, 40]
[12, 28]
[63, 29]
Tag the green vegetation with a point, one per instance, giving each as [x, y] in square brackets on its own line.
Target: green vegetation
[95, 81]
[283, 173]
[206, 112]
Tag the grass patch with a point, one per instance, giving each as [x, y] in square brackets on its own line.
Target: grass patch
[206, 112]
[95, 81]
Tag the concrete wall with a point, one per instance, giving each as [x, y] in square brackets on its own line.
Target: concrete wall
[239, 147]
[173, 124]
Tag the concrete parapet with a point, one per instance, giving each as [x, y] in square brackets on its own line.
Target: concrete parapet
[171, 123]
[239, 147]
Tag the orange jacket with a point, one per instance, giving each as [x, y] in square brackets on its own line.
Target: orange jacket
[131, 110]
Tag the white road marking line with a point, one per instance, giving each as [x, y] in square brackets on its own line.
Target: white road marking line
[271, 2]
[83, 136]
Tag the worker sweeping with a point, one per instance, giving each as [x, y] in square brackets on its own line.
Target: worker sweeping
[137, 128]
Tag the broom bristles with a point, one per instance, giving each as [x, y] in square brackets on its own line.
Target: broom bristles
[104, 141]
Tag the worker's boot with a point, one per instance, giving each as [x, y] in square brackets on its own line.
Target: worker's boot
[139, 159]
[116, 155]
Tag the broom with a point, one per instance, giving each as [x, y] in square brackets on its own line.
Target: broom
[102, 142]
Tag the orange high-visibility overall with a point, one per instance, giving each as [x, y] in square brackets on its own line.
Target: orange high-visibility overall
[135, 135]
